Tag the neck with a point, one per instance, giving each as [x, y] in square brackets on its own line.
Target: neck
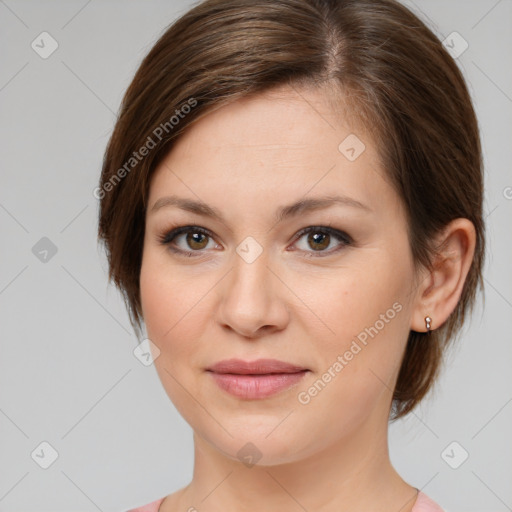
[354, 474]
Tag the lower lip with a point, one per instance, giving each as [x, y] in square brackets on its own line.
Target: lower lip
[256, 386]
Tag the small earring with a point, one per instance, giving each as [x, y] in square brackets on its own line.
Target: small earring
[428, 321]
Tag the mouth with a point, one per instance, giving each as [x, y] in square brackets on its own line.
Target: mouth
[251, 380]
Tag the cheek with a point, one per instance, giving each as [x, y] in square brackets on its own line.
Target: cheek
[159, 303]
[155, 301]
[364, 295]
[173, 322]
[173, 306]
[367, 307]
[356, 373]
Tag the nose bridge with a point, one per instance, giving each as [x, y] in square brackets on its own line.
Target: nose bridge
[250, 279]
[250, 298]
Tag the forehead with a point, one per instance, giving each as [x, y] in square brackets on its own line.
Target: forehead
[285, 142]
[285, 117]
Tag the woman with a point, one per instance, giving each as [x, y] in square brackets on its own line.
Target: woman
[291, 203]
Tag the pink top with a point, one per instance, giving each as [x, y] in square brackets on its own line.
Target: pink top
[423, 504]
[150, 507]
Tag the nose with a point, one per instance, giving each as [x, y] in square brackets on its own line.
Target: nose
[253, 301]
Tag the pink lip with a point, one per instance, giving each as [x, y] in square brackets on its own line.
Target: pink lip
[255, 379]
[258, 366]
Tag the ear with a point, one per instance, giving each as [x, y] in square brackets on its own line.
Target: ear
[439, 290]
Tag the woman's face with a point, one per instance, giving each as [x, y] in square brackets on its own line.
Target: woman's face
[336, 300]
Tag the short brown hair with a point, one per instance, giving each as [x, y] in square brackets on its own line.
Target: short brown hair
[402, 82]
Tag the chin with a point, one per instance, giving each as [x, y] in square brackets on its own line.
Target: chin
[262, 440]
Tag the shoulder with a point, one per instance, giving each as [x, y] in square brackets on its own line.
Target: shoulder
[150, 507]
[425, 504]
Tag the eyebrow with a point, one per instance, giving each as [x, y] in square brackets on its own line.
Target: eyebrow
[292, 210]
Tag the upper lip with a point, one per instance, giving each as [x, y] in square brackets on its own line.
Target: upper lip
[256, 367]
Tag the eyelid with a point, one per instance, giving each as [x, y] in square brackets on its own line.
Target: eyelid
[172, 233]
[327, 229]
[168, 237]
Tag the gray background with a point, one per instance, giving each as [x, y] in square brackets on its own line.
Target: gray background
[68, 375]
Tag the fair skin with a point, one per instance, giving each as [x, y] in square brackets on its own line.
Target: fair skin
[299, 301]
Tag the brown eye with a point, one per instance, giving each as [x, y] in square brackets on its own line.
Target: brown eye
[320, 238]
[187, 240]
[196, 240]
[319, 241]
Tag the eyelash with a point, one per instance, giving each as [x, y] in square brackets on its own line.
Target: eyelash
[167, 239]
